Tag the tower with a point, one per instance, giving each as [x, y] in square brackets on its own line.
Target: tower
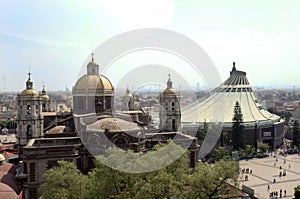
[170, 114]
[45, 100]
[30, 120]
[128, 102]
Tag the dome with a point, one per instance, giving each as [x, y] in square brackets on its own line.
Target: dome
[30, 92]
[44, 94]
[113, 125]
[45, 97]
[169, 91]
[94, 82]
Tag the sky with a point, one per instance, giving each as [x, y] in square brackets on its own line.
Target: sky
[55, 40]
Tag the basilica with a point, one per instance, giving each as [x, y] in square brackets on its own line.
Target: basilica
[45, 137]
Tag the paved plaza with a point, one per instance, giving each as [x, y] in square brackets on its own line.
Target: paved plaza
[262, 173]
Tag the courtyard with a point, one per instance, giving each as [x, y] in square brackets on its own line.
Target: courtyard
[266, 175]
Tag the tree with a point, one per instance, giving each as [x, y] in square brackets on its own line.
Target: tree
[238, 137]
[250, 149]
[210, 181]
[63, 181]
[297, 192]
[172, 181]
[201, 133]
[296, 134]
[263, 147]
[167, 182]
[220, 153]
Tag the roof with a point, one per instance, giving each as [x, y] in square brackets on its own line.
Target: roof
[169, 91]
[30, 92]
[59, 129]
[219, 105]
[45, 97]
[6, 192]
[113, 125]
[94, 82]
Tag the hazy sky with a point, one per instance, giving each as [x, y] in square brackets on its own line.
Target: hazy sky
[56, 38]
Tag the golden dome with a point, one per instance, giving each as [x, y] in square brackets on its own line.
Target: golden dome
[94, 82]
[44, 94]
[45, 97]
[30, 92]
[169, 91]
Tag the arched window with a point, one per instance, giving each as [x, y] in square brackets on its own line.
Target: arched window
[29, 131]
[28, 109]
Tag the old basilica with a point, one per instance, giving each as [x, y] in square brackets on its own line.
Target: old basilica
[44, 137]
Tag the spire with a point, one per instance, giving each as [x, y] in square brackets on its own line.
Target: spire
[29, 82]
[92, 67]
[127, 90]
[29, 74]
[44, 90]
[169, 83]
[233, 69]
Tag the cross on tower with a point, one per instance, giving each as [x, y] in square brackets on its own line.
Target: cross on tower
[92, 56]
[29, 73]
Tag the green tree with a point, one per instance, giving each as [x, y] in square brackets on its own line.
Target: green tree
[63, 182]
[210, 181]
[220, 153]
[263, 147]
[250, 149]
[201, 133]
[296, 134]
[238, 137]
[297, 192]
[167, 182]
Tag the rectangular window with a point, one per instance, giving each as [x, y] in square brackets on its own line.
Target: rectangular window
[32, 172]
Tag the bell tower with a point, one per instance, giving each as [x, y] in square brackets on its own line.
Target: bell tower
[30, 120]
[170, 114]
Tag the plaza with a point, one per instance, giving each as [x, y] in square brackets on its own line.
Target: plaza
[263, 172]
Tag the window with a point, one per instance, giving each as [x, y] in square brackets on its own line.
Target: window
[32, 172]
[29, 131]
[28, 109]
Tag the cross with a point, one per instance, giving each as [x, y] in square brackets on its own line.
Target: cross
[169, 76]
[92, 56]
[29, 73]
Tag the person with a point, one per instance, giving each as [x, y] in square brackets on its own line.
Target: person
[268, 187]
[2, 159]
[284, 193]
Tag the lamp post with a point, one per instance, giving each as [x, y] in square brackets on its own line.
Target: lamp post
[255, 137]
